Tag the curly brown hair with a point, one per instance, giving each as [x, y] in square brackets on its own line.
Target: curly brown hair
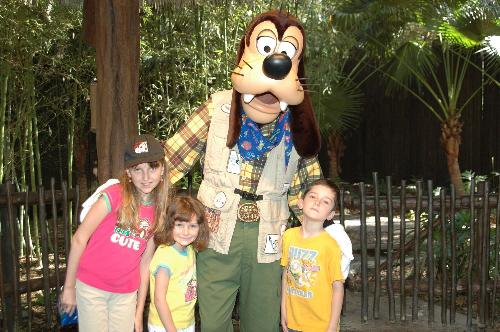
[183, 208]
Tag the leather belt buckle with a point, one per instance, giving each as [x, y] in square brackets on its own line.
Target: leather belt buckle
[248, 212]
[247, 195]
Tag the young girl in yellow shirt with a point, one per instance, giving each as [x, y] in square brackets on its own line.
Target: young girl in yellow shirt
[173, 267]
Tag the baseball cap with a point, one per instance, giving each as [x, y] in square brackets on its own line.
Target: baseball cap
[143, 149]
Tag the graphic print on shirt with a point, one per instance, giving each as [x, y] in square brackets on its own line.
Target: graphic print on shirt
[190, 291]
[302, 271]
[129, 238]
[187, 279]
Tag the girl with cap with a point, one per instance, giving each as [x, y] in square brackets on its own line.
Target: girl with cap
[107, 272]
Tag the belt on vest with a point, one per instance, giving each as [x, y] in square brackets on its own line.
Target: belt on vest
[248, 196]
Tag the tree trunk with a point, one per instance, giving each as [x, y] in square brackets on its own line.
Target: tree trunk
[80, 157]
[451, 131]
[117, 60]
[336, 148]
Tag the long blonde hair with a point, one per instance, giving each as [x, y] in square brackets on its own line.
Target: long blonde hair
[128, 212]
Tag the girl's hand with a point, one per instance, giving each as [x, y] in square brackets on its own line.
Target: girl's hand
[138, 323]
[68, 300]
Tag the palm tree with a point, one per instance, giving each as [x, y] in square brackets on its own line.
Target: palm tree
[429, 49]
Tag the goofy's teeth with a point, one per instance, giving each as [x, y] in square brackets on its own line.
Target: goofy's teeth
[247, 97]
[283, 106]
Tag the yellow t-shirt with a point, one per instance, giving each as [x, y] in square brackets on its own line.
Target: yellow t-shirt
[181, 292]
[311, 267]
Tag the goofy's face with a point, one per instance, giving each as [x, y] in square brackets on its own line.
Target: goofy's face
[266, 75]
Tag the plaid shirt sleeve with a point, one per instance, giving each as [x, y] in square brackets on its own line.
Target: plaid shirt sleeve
[308, 171]
[185, 148]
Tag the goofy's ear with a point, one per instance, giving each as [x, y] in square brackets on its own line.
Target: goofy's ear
[234, 116]
[303, 125]
[305, 132]
[234, 120]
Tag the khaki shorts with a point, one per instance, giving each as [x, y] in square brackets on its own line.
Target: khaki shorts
[99, 310]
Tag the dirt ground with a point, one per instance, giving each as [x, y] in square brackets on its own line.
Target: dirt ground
[351, 319]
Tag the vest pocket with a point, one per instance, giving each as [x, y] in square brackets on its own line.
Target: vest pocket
[216, 154]
[274, 211]
[273, 218]
[215, 198]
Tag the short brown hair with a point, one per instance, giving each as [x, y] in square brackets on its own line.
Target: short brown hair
[183, 208]
[326, 183]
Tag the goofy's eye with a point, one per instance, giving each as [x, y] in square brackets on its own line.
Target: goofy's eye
[287, 49]
[266, 45]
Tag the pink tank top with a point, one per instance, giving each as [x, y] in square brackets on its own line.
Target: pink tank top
[112, 257]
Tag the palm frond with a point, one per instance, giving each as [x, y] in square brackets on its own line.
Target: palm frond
[340, 108]
[410, 62]
[471, 23]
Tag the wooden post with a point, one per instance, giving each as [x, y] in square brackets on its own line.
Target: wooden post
[112, 27]
[9, 261]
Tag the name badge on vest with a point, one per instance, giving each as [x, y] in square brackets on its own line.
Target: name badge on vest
[271, 244]
[233, 163]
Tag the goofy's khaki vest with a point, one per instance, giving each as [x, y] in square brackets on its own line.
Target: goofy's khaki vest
[217, 188]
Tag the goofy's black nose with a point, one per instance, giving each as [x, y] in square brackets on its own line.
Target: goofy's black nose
[277, 66]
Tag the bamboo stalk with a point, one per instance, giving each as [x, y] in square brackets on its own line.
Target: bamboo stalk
[45, 258]
[4, 80]
[34, 223]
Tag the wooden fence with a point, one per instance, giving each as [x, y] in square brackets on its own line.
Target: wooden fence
[435, 232]
[464, 227]
[29, 285]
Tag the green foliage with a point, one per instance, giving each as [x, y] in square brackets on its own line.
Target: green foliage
[48, 69]
[185, 56]
[188, 54]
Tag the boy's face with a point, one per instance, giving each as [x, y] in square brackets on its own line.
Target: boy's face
[318, 204]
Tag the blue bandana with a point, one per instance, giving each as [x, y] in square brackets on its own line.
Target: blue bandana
[253, 144]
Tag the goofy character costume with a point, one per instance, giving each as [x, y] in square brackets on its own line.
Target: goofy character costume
[258, 143]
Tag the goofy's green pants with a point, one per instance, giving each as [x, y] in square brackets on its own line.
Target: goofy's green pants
[220, 277]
